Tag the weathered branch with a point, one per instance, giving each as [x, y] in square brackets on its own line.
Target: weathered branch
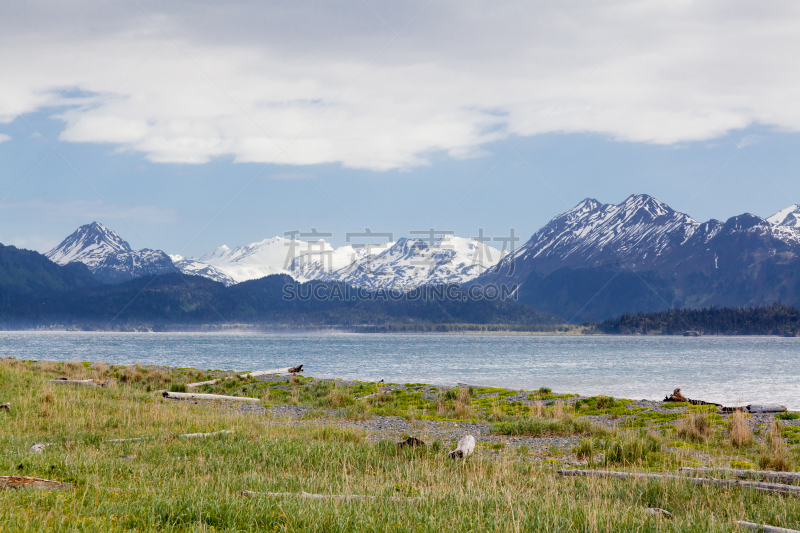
[764, 527]
[198, 396]
[15, 483]
[755, 485]
[781, 477]
[252, 494]
[85, 382]
[278, 371]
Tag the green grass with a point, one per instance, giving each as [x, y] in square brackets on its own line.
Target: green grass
[174, 484]
[543, 427]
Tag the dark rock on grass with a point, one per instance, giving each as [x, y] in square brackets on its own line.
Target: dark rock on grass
[412, 442]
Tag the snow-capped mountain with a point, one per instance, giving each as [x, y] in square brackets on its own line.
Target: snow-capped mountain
[789, 217]
[108, 256]
[786, 224]
[410, 263]
[196, 268]
[404, 264]
[259, 259]
[638, 231]
[89, 244]
[600, 260]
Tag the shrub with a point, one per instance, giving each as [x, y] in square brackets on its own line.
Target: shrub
[177, 387]
[604, 402]
[787, 416]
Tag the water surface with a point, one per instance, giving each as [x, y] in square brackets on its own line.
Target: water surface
[725, 370]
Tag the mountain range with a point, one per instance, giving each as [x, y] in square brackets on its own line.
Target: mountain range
[594, 261]
[602, 260]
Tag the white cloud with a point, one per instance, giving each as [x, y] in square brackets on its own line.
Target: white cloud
[462, 74]
[4, 137]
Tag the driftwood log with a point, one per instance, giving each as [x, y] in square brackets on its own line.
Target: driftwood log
[655, 511]
[755, 485]
[198, 396]
[84, 382]
[39, 447]
[252, 494]
[768, 475]
[15, 483]
[677, 396]
[764, 527]
[466, 447]
[768, 408]
[373, 395]
[200, 435]
[274, 371]
[185, 435]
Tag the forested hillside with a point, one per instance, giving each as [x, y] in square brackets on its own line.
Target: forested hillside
[776, 319]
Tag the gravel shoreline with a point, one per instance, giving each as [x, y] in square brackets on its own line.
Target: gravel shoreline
[555, 450]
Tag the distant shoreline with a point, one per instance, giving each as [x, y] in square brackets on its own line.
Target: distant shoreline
[575, 331]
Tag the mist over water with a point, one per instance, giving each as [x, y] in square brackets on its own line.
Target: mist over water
[727, 370]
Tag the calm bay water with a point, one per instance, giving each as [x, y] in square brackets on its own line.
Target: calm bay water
[720, 369]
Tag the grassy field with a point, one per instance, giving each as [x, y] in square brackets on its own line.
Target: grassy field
[170, 483]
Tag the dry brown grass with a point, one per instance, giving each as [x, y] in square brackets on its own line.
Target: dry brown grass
[740, 434]
[441, 407]
[464, 408]
[538, 408]
[694, 427]
[558, 410]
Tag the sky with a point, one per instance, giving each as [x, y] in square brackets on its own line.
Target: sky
[190, 125]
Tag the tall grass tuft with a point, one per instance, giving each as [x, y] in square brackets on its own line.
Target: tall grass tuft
[774, 452]
[695, 427]
[558, 411]
[463, 407]
[739, 433]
